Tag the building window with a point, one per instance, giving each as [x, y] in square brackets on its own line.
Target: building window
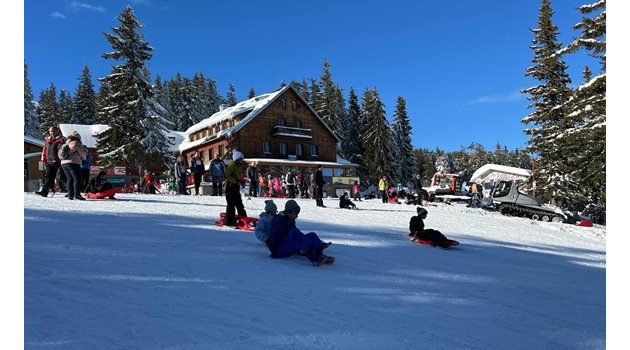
[298, 149]
[294, 105]
[266, 147]
[210, 153]
[298, 124]
[284, 149]
[220, 150]
[314, 151]
[284, 103]
[282, 122]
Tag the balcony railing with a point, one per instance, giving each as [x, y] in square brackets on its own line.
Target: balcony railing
[292, 132]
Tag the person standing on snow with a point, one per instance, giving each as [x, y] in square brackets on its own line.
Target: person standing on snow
[418, 232]
[72, 166]
[50, 160]
[382, 188]
[198, 169]
[233, 183]
[319, 187]
[286, 239]
[217, 170]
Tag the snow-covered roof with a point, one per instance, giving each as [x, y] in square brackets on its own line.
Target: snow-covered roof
[494, 171]
[254, 106]
[88, 133]
[33, 141]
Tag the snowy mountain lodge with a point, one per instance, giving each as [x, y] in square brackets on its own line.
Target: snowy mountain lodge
[279, 131]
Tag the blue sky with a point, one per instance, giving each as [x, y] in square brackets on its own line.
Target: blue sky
[459, 64]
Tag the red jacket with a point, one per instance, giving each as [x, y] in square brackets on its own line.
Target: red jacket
[50, 153]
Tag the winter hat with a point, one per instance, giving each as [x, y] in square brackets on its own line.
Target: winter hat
[422, 211]
[291, 206]
[270, 206]
[102, 173]
[236, 155]
[76, 135]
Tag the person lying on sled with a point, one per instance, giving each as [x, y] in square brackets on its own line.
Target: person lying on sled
[99, 183]
[418, 232]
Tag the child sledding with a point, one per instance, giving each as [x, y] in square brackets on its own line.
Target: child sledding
[285, 239]
[418, 234]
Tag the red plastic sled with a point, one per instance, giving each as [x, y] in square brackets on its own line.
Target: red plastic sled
[104, 194]
[242, 222]
[451, 242]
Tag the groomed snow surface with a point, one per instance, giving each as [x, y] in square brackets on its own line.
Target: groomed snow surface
[153, 272]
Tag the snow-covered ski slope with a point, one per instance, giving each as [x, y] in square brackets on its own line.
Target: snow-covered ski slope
[153, 272]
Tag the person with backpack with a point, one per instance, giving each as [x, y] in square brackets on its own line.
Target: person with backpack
[263, 226]
[217, 171]
[418, 234]
[72, 154]
[286, 239]
[85, 170]
[50, 159]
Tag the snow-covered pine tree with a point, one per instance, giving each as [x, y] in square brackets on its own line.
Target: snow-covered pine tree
[327, 105]
[585, 137]
[31, 118]
[137, 130]
[85, 99]
[102, 103]
[230, 97]
[48, 109]
[351, 126]
[201, 98]
[501, 155]
[548, 120]
[163, 97]
[66, 107]
[376, 137]
[425, 165]
[313, 93]
[401, 125]
[177, 101]
[214, 99]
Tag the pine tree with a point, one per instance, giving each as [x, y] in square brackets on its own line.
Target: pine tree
[163, 97]
[137, 129]
[230, 97]
[66, 107]
[351, 126]
[251, 93]
[85, 99]
[584, 139]
[328, 104]
[31, 118]
[376, 137]
[214, 99]
[48, 109]
[402, 143]
[548, 121]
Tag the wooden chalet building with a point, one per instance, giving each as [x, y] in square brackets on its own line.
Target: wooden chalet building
[279, 132]
[33, 168]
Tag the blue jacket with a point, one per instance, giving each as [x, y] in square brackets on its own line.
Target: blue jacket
[263, 226]
[86, 163]
[281, 225]
[217, 168]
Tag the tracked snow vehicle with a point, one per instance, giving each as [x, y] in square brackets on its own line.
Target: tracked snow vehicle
[510, 201]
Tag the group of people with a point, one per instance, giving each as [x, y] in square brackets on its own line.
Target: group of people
[70, 159]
